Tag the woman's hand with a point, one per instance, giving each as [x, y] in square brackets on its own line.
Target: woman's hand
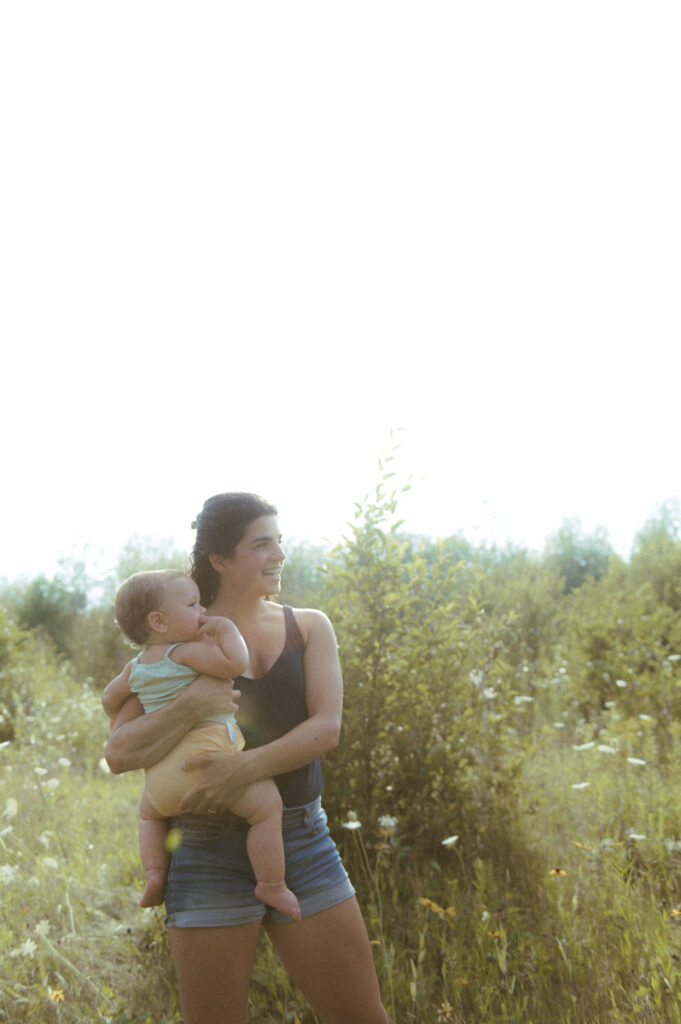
[224, 777]
[138, 740]
[207, 697]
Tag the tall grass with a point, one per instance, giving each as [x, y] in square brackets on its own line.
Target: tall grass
[577, 921]
[568, 912]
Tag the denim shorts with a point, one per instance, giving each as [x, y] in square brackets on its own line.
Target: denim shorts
[211, 882]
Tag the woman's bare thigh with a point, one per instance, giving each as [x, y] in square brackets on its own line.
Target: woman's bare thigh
[213, 967]
[329, 957]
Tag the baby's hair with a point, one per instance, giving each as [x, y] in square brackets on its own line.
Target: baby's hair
[137, 597]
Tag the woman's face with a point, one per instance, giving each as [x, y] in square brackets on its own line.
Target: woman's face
[257, 559]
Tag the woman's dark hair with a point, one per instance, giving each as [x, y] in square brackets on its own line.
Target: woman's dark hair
[220, 525]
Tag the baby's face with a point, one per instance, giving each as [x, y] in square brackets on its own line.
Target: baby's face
[182, 609]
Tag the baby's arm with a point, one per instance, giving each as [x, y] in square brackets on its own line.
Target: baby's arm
[221, 653]
[117, 692]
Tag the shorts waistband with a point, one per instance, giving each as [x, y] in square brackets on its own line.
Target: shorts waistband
[291, 816]
[302, 815]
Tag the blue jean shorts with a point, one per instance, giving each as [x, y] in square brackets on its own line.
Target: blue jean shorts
[211, 882]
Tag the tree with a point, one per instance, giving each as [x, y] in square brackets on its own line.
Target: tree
[302, 582]
[143, 553]
[578, 555]
[52, 606]
[656, 557]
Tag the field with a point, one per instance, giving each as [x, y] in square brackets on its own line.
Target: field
[505, 797]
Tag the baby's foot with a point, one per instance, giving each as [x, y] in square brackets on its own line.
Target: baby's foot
[154, 890]
[279, 896]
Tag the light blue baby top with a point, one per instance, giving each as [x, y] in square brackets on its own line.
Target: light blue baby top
[159, 682]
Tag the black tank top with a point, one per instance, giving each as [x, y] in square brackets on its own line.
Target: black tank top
[275, 704]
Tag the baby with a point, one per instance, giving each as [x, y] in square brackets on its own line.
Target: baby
[161, 611]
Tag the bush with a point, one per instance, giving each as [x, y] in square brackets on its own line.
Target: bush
[430, 720]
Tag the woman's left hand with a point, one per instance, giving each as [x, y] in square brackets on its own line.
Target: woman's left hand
[224, 777]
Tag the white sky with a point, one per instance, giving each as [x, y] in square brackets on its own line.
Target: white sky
[242, 242]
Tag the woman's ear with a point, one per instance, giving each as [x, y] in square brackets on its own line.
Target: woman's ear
[156, 622]
[217, 561]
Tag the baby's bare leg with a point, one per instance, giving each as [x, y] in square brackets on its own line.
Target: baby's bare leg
[261, 806]
[153, 830]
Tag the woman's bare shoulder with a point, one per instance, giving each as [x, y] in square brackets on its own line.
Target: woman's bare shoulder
[312, 623]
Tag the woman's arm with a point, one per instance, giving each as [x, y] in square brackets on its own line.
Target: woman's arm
[138, 740]
[225, 775]
[117, 692]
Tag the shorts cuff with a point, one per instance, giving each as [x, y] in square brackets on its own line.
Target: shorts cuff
[316, 902]
[215, 917]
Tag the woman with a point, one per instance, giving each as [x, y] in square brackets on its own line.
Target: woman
[290, 713]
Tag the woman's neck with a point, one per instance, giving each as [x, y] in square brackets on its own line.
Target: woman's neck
[238, 607]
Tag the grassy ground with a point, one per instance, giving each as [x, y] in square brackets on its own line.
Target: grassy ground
[576, 919]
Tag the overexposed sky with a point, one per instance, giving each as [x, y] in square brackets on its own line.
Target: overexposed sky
[242, 243]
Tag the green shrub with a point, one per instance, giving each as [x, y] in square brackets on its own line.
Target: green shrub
[430, 720]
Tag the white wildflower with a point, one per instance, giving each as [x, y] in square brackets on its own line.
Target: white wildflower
[43, 928]
[580, 785]
[7, 872]
[609, 704]
[64, 762]
[450, 841]
[51, 863]
[27, 948]
[646, 718]
[11, 808]
[52, 784]
[559, 725]
[521, 699]
[636, 835]
[353, 821]
[489, 693]
[605, 748]
[674, 657]
[40, 771]
[387, 823]
[621, 683]
[584, 746]
[635, 760]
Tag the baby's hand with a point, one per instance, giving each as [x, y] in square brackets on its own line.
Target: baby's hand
[222, 635]
[212, 624]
